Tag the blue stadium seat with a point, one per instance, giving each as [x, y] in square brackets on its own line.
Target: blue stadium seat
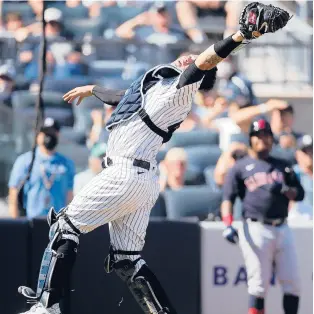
[286, 154]
[240, 138]
[23, 104]
[116, 69]
[83, 121]
[81, 27]
[193, 176]
[78, 153]
[159, 209]
[23, 8]
[203, 156]
[198, 137]
[161, 155]
[64, 85]
[196, 201]
[209, 177]
[116, 15]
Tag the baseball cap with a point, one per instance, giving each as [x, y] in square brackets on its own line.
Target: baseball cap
[53, 15]
[304, 142]
[50, 124]
[98, 150]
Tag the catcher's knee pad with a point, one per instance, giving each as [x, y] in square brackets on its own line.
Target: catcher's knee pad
[143, 284]
[57, 263]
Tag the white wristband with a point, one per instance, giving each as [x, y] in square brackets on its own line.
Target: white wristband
[262, 108]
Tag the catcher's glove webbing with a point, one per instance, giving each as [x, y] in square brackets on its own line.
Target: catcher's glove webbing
[258, 17]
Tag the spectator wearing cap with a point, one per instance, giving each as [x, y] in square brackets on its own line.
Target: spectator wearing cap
[7, 78]
[304, 172]
[97, 154]
[153, 26]
[51, 180]
[58, 50]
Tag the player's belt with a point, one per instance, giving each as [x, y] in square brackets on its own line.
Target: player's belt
[107, 162]
[273, 222]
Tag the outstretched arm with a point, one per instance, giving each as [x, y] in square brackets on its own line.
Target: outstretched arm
[109, 96]
[209, 58]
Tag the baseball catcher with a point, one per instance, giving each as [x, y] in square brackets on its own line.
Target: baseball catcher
[145, 117]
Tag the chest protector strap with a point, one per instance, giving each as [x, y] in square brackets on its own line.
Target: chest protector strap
[147, 120]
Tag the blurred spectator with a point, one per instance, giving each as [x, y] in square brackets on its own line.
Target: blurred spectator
[282, 120]
[173, 170]
[7, 77]
[95, 6]
[304, 171]
[94, 167]
[244, 116]
[98, 133]
[63, 61]
[190, 11]
[227, 161]
[51, 181]
[154, 26]
[13, 22]
[37, 6]
[234, 85]
[75, 8]
[286, 140]
[190, 123]
[73, 65]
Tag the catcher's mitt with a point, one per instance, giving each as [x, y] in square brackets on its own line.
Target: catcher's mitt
[258, 17]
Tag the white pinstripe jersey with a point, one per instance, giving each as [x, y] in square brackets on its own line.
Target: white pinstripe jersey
[165, 105]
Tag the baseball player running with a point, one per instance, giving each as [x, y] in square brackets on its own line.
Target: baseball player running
[265, 186]
[125, 191]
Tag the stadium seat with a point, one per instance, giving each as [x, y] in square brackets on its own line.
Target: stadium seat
[199, 137]
[203, 156]
[193, 176]
[78, 153]
[116, 15]
[159, 209]
[161, 155]
[116, 69]
[286, 154]
[240, 138]
[196, 201]
[81, 27]
[23, 8]
[64, 85]
[83, 121]
[23, 104]
[209, 177]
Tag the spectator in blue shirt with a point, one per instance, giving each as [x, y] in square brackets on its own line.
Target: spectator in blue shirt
[51, 180]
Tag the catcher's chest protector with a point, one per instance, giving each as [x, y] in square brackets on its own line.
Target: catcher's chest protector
[133, 99]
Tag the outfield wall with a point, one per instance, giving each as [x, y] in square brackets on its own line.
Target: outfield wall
[200, 271]
[223, 275]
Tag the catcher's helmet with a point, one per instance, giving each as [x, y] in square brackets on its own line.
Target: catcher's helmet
[260, 125]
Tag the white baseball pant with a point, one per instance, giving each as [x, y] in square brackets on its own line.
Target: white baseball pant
[121, 195]
[262, 246]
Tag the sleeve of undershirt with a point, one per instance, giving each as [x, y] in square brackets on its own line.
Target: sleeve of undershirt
[191, 75]
[111, 97]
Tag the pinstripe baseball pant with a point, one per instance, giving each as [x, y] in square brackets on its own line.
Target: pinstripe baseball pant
[121, 195]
